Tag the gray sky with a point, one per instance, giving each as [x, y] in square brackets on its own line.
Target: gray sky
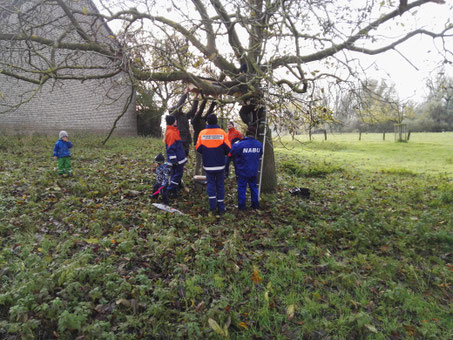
[410, 76]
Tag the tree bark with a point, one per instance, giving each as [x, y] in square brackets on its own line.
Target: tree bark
[269, 179]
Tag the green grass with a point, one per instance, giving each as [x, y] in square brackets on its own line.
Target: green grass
[425, 152]
[368, 256]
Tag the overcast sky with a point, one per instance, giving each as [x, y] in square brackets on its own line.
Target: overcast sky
[422, 53]
[410, 76]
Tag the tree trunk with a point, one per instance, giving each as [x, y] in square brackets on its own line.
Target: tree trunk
[269, 179]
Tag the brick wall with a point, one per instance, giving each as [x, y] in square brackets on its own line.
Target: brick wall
[89, 106]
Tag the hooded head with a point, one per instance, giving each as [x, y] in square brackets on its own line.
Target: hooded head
[251, 131]
[170, 120]
[62, 134]
[212, 119]
[159, 158]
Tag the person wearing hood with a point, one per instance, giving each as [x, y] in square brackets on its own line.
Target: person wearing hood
[62, 154]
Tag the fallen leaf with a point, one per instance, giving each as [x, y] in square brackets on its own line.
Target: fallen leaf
[123, 302]
[256, 278]
[242, 324]
[290, 311]
[371, 328]
[215, 326]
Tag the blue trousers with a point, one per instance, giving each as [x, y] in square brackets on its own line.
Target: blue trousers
[242, 189]
[175, 177]
[216, 190]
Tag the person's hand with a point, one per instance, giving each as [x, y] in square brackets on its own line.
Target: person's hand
[55, 157]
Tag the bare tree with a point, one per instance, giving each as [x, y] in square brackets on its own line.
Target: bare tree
[264, 53]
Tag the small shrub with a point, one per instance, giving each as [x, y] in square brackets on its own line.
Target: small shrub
[310, 169]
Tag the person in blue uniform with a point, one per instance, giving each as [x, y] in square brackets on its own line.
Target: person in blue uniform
[213, 144]
[176, 156]
[247, 154]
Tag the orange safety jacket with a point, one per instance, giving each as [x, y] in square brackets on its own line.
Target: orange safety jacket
[213, 144]
[234, 135]
[175, 149]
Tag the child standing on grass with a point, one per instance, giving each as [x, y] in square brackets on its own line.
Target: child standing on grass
[62, 154]
[162, 172]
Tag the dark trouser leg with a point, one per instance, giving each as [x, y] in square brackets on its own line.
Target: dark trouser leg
[242, 188]
[211, 190]
[176, 176]
[254, 192]
[220, 188]
[163, 192]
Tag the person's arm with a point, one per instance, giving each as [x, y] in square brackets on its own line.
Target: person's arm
[170, 142]
[55, 150]
[69, 144]
[227, 144]
[198, 146]
[202, 107]
[181, 101]
[210, 110]
[194, 108]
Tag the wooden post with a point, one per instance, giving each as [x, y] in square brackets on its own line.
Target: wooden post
[383, 135]
[325, 134]
[309, 134]
[360, 135]
[408, 135]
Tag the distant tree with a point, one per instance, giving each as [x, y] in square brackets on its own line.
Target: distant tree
[437, 110]
[377, 107]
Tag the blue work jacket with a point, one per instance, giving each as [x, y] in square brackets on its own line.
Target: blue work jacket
[246, 154]
[61, 149]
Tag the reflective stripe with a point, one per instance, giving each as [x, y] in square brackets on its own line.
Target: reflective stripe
[220, 200]
[183, 161]
[172, 182]
[212, 198]
[214, 168]
[211, 137]
[171, 157]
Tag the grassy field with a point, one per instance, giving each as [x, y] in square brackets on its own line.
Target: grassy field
[368, 256]
[429, 153]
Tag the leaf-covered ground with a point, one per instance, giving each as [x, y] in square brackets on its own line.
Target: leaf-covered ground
[369, 255]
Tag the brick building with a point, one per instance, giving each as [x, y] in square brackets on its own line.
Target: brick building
[89, 106]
